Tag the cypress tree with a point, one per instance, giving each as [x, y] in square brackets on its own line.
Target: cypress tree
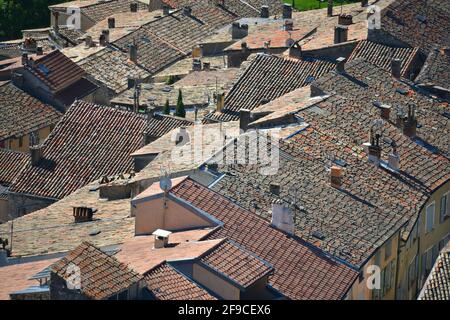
[180, 111]
[166, 109]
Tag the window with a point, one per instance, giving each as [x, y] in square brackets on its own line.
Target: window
[412, 272]
[20, 142]
[444, 210]
[430, 218]
[388, 249]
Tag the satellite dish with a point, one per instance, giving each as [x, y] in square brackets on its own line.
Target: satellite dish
[165, 184]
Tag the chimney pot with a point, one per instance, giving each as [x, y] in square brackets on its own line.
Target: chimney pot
[288, 25]
[244, 119]
[166, 10]
[287, 11]
[265, 12]
[394, 158]
[396, 68]
[282, 217]
[134, 7]
[88, 41]
[197, 65]
[207, 66]
[410, 122]
[345, 19]
[336, 176]
[374, 148]
[220, 101]
[102, 40]
[106, 34]
[111, 23]
[83, 214]
[340, 64]
[385, 111]
[239, 31]
[275, 189]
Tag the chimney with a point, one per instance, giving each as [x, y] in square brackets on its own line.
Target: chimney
[166, 10]
[288, 25]
[287, 11]
[239, 31]
[330, 8]
[385, 111]
[182, 137]
[106, 34]
[265, 12]
[340, 67]
[56, 20]
[374, 148]
[134, 7]
[197, 65]
[220, 102]
[244, 119]
[244, 46]
[111, 23]
[410, 125]
[131, 82]
[394, 158]
[83, 214]
[24, 59]
[88, 41]
[197, 52]
[36, 155]
[282, 217]
[133, 53]
[396, 68]
[187, 11]
[364, 3]
[275, 189]
[336, 176]
[345, 19]
[207, 66]
[161, 238]
[102, 40]
[340, 34]
[146, 138]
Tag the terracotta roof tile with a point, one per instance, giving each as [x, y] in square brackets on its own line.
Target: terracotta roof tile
[102, 276]
[21, 114]
[11, 164]
[436, 70]
[301, 272]
[437, 286]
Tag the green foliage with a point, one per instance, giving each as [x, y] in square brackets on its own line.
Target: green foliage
[170, 80]
[180, 111]
[17, 15]
[303, 5]
[166, 109]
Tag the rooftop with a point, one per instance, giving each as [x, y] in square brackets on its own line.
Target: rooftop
[21, 114]
[89, 142]
[436, 70]
[11, 164]
[437, 286]
[101, 275]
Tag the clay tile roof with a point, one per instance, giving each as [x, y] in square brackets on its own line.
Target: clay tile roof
[89, 142]
[102, 276]
[437, 286]
[56, 70]
[237, 264]
[160, 124]
[301, 272]
[112, 68]
[418, 23]
[382, 55]
[21, 114]
[166, 283]
[103, 9]
[436, 70]
[367, 83]
[266, 78]
[11, 164]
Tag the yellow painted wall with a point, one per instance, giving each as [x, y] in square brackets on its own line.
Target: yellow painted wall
[14, 144]
[151, 215]
[214, 283]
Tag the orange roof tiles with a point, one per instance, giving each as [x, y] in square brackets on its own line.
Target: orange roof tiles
[11, 164]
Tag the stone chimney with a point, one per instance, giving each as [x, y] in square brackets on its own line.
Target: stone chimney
[287, 11]
[111, 23]
[182, 137]
[282, 217]
[187, 11]
[88, 41]
[340, 67]
[265, 12]
[133, 53]
[385, 112]
[83, 214]
[196, 65]
[161, 238]
[244, 119]
[394, 158]
[106, 34]
[134, 7]
[288, 25]
[374, 148]
[102, 40]
[345, 19]
[220, 102]
[330, 8]
[36, 155]
[275, 189]
[396, 68]
[340, 34]
[336, 176]
[239, 31]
